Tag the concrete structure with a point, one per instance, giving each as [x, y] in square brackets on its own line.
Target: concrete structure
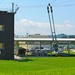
[35, 36]
[46, 43]
[44, 39]
[6, 35]
[27, 42]
[38, 36]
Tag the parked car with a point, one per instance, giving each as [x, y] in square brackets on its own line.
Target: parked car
[38, 48]
[39, 51]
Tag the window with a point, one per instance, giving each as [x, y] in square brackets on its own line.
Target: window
[1, 27]
[1, 45]
[0, 52]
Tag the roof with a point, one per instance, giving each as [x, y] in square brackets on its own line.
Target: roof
[43, 39]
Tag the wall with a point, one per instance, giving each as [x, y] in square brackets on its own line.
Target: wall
[6, 35]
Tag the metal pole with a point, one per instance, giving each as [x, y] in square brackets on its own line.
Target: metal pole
[12, 7]
[26, 51]
[68, 48]
[50, 26]
[40, 49]
[50, 21]
[54, 41]
[53, 22]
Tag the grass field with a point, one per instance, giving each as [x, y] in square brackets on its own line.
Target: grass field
[39, 66]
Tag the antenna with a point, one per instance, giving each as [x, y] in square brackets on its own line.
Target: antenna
[12, 7]
[17, 7]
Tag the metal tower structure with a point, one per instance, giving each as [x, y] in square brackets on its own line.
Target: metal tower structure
[52, 27]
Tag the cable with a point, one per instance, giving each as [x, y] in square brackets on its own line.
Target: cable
[53, 1]
[29, 23]
[20, 30]
[64, 5]
[26, 29]
[65, 2]
[38, 6]
[34, 6]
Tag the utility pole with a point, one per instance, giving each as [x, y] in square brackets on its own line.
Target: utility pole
[52, 27]
[50, 21]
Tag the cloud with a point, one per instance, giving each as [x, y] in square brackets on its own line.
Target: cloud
[27, 26]
[67, 27]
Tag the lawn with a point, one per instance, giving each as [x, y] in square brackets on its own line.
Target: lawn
[39, 66]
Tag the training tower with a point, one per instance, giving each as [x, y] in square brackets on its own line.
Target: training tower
[7, 34]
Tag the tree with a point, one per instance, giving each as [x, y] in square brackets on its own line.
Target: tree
[63, 36]
[71, 36]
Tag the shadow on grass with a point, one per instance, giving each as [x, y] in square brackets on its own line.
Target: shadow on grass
[24, 60]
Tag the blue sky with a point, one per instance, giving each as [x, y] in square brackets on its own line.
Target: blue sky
[32, 16]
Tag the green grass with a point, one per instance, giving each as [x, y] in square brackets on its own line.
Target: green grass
[66, 51]
[39, 66]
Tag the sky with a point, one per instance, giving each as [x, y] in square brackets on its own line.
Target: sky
[32, 16]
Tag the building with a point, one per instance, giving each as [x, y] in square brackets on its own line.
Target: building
[6, 35]
[37, 36]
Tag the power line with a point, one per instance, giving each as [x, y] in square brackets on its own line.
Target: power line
[34, 6]
[29, 23]
[53, 1]
[20, 30]
[64, 5]
[42, 6]
[68, 1]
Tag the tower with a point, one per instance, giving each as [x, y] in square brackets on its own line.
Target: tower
[6, 35]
